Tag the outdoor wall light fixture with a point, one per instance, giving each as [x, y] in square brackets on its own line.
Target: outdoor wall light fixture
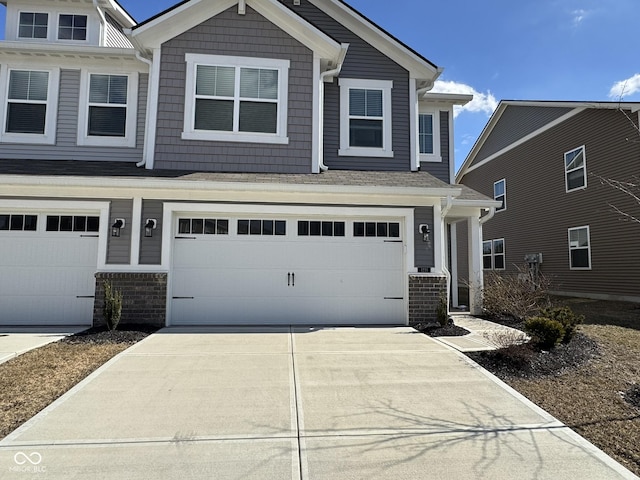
[149, 226]
[423, 229]
[118, 225]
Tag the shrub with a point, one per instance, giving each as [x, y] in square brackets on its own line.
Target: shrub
[112, 308]
[566, 317]
[518, 295]
[546, 333]
[503, 339]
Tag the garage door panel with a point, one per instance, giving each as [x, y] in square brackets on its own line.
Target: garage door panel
[214, 282]
[229, 254]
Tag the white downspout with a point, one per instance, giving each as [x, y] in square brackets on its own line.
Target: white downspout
[140, 57]
[446, 271]
[103, 20]
[323, 75]
[488, 216]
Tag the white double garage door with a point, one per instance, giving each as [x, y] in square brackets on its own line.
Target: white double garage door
[275, 269]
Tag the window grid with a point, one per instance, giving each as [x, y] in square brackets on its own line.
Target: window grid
[203, 226]
[107, 105]
[262, 227]
[316, 228]
[33, 25]
[366, 118]
[72, 27]
[27, 102]
[426, 134]
[18, 222]
[376, 229]
[500, 194]
[580, 248]
[73, 223]
[493, 254]
[575, 167]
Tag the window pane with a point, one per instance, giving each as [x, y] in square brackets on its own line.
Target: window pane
[65, 33]
[267, 227]
[66, 21]
[197, 226]
[215, 81]
[374, 103]
[281, 227]
[4, 222]
[486, 262]
[426, 133]
[358, 229]
[303, 228]
[486, 248]
[17, 222]
[99, 89]
[255, 227]
[26, 118]
[222, 227]
[327, 229]
[19, 85]
[382, 230]
[184, 225]
[38, 86]
[370, 229]
[580, 258]
[501, 199]
[80, 21]
[365, 133]
[258, 117]
[338, 229]
[209, 226]
[498, 188]
[394, 230]
[93, 224]
[53, 223]
[107, 121]
[498, 246]
[214, 115]
[243, 227]
[357, 102]
[574, 159]
[314, 229]
[575, 179]
[249, 82]
[499, 262]
[30, 223]
[66, 223]
[268, 84]
[118, 85]
[79, 224]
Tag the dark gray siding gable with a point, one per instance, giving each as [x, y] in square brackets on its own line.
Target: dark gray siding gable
[362, 62]
[151, 247]
[423, 250]
[231, 34]
[66, 147]
[515, 123]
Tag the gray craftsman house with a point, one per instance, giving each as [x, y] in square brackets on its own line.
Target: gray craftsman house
[224, 162]
[552, 165]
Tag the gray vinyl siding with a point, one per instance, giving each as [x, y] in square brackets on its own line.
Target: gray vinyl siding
[423, 250]
[151, 248]
[115, 37]
[515, 123]
[119, 248]
[540, 212]
[362, 62]
[231, 34]
[66, 147]
[441, 170]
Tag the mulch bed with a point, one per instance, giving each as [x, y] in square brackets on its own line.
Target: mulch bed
[126, 334]
[436, 330]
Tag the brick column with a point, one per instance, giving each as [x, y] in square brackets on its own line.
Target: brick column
[144, 297]
[424, 296]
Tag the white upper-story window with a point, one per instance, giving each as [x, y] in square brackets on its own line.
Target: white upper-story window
[108, 113]
[575, 169]
[30, 106]
[33, 25]
[500, 194]
[429, 136]
[365, 113]
[237, 99]
[72, 27]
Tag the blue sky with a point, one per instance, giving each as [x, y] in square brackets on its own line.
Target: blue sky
[507, 49]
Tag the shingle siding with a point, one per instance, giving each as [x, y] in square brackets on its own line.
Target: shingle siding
[540, 212]
[66, 147]
[515, 123]
[231, 34]
[362, 62]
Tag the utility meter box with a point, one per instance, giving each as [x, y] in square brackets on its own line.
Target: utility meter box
[533, 258]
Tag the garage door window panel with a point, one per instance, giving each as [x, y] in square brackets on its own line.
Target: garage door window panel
[376, 229]
[19, 223]
[315, 228]
[73, 223]
[262, 227]
[203, 226]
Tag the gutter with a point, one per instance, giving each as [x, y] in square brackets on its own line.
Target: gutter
[445, 270]
[489, 216]
[323, 75]
[103, 20]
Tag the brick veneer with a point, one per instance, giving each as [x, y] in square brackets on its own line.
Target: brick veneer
[424, 295]
[144, 297]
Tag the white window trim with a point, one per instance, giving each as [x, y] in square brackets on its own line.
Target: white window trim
[190, 133]
[495, 197]
[129, 140]
[387, 143]
[493, 254]
[68, 40]
[588, 247]
[31, 39]
[566, 172]
[49, 136]
[436, 156]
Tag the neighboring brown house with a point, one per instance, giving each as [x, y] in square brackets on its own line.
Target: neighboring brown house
[545, 162]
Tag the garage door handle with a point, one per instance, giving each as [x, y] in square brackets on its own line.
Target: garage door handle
[293, 279]
[183, 298]
[289, 279]
[85, 296]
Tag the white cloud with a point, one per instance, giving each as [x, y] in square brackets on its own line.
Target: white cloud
[482, 102]
[625, 88]
[579, 16]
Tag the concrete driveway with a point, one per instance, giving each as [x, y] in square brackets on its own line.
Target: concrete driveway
[296, 403]
[17, 340]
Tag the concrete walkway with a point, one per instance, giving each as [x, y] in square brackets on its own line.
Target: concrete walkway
[484, 335]
[296, 403]
[17, 340]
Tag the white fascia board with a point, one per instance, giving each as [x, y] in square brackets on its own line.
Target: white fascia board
[119, 13]
[168, 189]
[446, 98]
[574, 104]
[418, 67]
[57, 49]
[524, 139]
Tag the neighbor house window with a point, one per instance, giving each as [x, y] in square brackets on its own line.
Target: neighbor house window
[108, 111]
[33, 25]
[575, 168]
[579, 248]
[72, 27]
[31, 105]
[236, 99]
[493, 256]
[365, 112]
[500, 194]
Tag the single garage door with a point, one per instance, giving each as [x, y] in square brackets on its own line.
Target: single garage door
[287, 271]
[47, 269]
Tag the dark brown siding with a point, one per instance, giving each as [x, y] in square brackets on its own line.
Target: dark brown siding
[231, 34]
[540, 212]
